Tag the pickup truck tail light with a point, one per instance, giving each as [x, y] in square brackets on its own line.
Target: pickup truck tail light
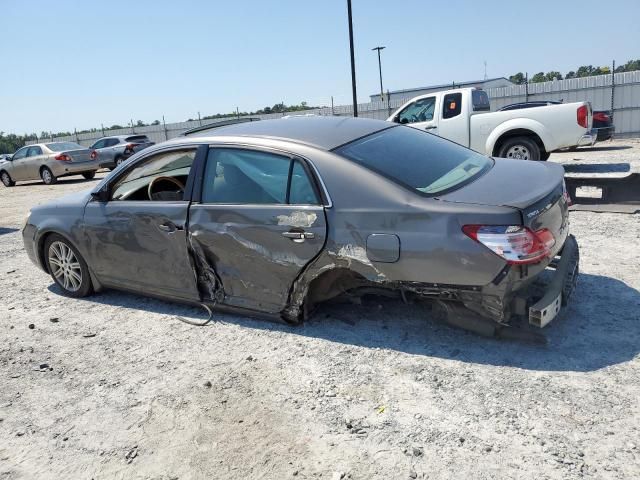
[601, 117]
[583, 116]
[63, 157]
[516, 244]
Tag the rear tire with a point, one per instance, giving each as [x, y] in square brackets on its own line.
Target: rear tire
[6, 179]
[119, 160]
[89, 175]
[47, 177]
[520, 148]
[67, 267]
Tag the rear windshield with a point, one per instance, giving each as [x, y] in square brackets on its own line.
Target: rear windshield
[62, 146]
[417, 160]
[137, 138]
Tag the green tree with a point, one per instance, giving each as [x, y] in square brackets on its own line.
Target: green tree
[537, 78]
[518, 78]
[553, 75]
[155, 122]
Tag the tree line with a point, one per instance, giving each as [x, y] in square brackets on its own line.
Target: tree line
[583, 71]
[10, 143]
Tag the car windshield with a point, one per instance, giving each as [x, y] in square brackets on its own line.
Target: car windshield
[417, 160]
[62, 146]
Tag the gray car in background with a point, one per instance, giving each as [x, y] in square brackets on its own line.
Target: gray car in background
[48, 162]
[112, 151]
[275, 217]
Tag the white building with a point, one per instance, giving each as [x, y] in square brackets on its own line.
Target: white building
[414, 92]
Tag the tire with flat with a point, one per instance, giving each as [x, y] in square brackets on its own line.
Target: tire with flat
[7, 181]
[67, 267]
[520, 148]
[89, 175]
[47, 176]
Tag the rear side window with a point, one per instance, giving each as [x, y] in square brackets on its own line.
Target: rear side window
[111, 142]
[99, 144]
[420, 162]
[237, 176]
[452, 105]
[137, 139]
[33, 151]
[480, 101]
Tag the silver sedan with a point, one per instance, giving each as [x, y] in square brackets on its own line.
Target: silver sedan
[48, 162]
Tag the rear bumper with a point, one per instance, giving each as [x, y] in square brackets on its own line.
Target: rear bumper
[61, 169]
[559, 289]
[588, 139]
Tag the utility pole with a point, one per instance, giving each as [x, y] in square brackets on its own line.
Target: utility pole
[353, 62]
[332, 111]
[164, 125]
[526, 87]
[613, 87]
[380, 70]
[102, 127]
[238, 113]
[199, 120]
[485, 69]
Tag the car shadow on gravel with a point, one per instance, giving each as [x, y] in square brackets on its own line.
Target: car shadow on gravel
[5, 230]
[599, 328]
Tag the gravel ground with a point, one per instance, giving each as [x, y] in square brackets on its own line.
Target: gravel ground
[115, 386]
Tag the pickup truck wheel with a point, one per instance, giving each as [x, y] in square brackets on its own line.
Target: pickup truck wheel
[89, 175]
[47, 177]
[520, 148]
[6, 180]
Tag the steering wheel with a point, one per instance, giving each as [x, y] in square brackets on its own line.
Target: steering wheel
[176, 182]
[414, 118]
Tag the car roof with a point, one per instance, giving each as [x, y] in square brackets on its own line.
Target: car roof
[322, 132]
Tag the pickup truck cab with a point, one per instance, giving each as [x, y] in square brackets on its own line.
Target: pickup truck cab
[462, 115]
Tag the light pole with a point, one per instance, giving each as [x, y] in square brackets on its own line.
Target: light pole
[353, 62]
[380, 70]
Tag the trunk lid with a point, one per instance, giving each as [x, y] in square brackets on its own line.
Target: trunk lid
[536, 189]
[78, 156]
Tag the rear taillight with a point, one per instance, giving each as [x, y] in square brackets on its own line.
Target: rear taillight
[515, 243]
[63, 157]
[130, 146]
[583, 116]
[601, 117]
[94, 155]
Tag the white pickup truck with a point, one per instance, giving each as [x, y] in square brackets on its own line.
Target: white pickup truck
[462, 115]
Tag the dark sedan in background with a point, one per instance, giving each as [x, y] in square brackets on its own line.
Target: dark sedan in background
[275, 217]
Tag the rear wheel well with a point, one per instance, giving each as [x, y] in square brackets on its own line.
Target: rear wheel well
[519, 132]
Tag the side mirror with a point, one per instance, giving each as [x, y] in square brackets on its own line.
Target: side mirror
[404, 121]
[101, 195]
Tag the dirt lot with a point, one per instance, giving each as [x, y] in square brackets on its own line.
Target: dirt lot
[115, 386]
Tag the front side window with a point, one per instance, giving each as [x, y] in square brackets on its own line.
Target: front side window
[451, 105]
[160, 177]
[421, 162]
[237, 176]
[20, 153]
[111, 142]
[419, 111]
[33, 151]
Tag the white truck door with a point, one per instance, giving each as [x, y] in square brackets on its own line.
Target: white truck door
[420, 114]
[454, 121]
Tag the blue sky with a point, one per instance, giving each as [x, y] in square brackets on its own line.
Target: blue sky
[75, 64]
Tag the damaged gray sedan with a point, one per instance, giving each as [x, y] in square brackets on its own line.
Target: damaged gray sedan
[275, 217]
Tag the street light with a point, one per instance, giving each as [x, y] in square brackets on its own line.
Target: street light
[380, 69]
[353, 62]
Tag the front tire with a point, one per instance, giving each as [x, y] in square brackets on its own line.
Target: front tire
[520, 148]
[89, 175]
[67, 267]
[6, 179]
[47, 177]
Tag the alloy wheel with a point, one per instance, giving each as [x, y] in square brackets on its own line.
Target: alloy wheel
[65, 266]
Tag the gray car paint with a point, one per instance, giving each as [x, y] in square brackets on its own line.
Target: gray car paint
[240, 255]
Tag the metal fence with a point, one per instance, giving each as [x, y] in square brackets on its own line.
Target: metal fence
[621, 90]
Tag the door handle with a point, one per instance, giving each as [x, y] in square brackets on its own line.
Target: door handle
[430, 127]
[298, 237]
[169, 227]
